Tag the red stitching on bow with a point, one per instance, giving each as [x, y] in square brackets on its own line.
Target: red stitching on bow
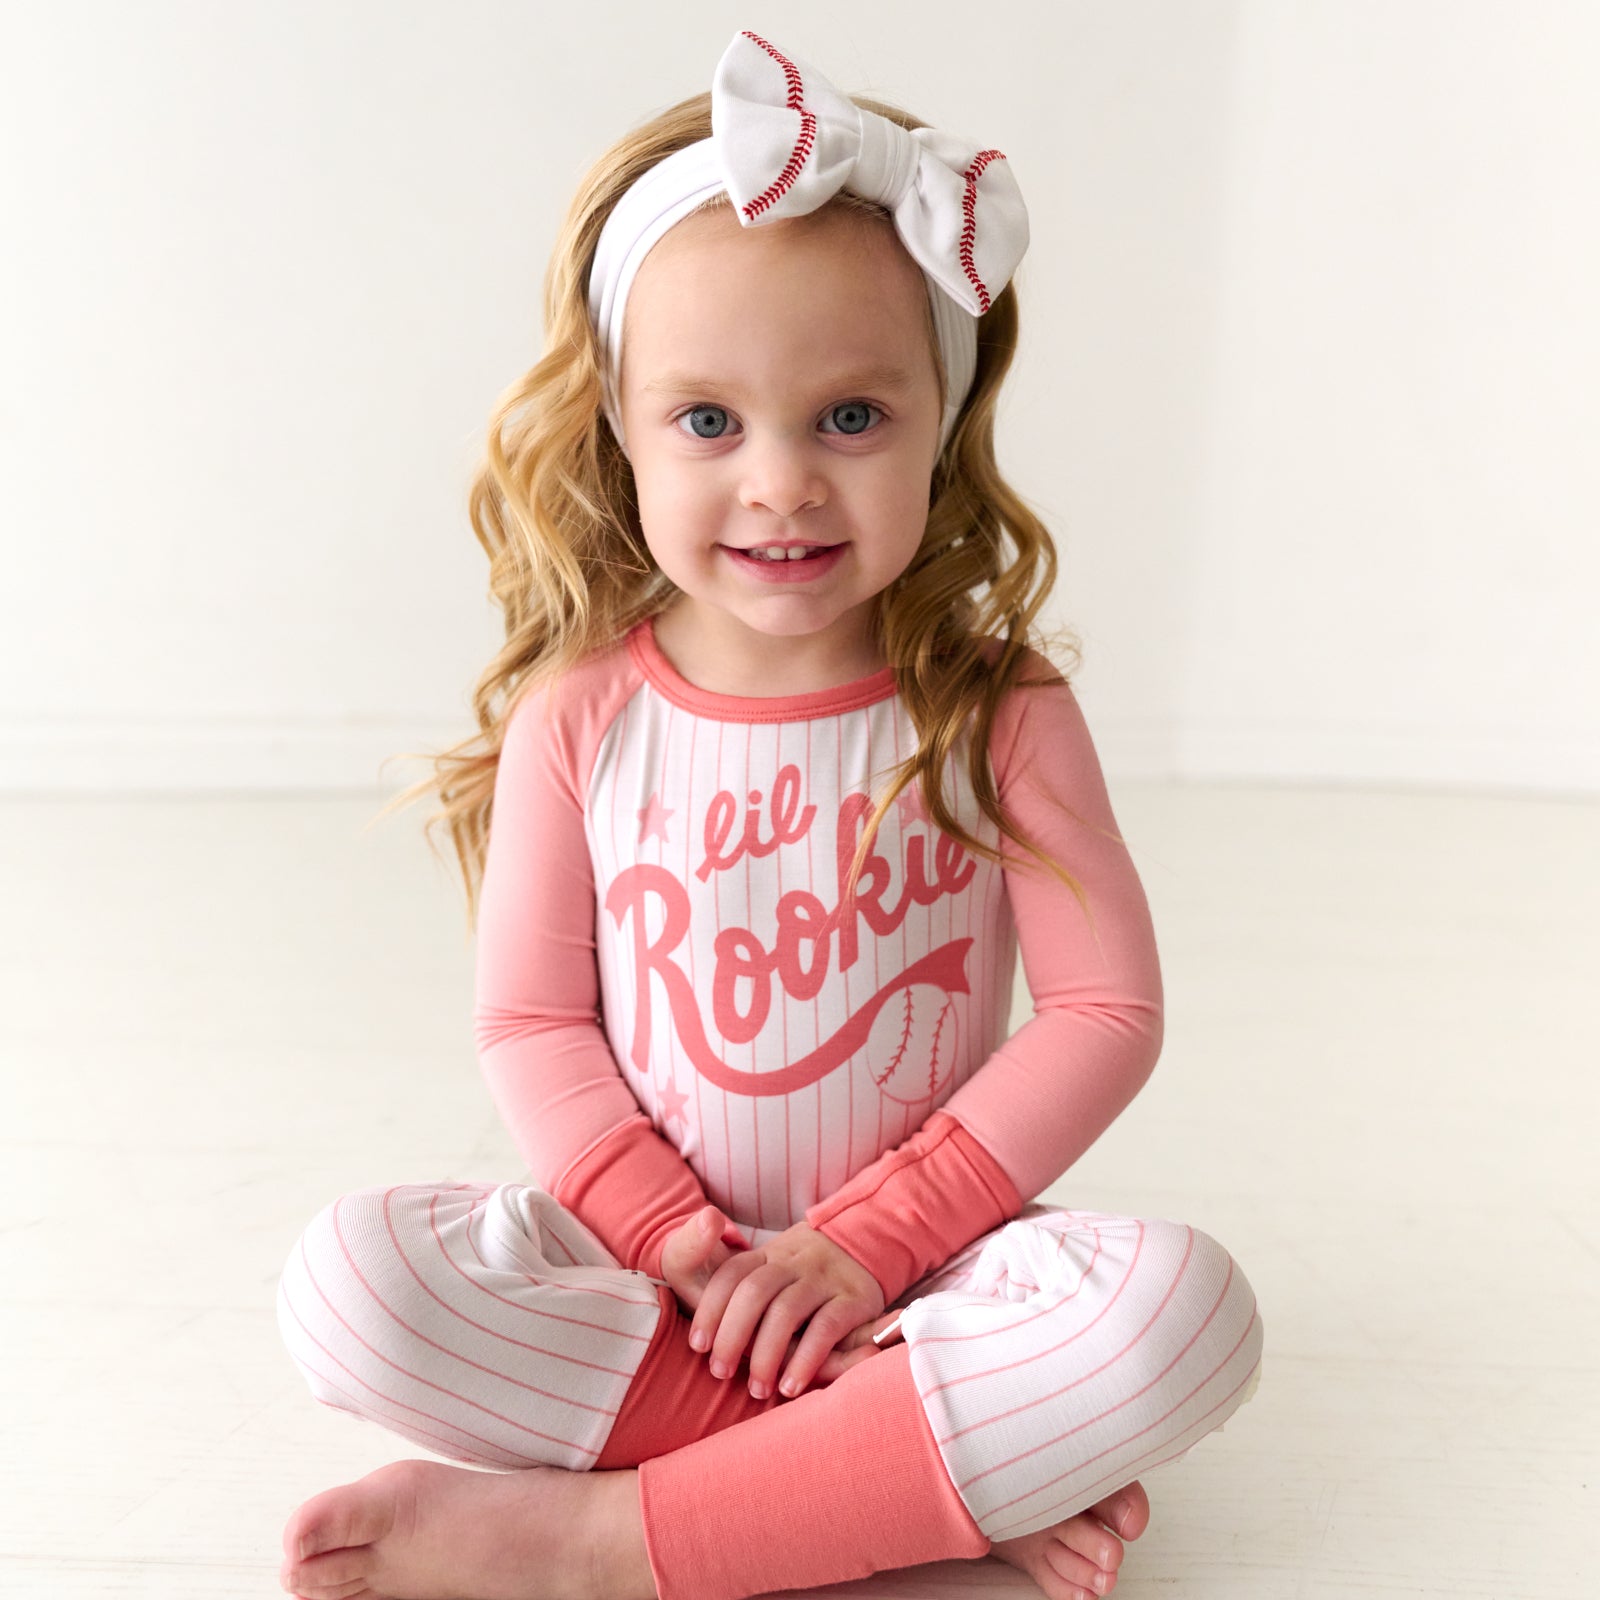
[781, 185]
[969, 227]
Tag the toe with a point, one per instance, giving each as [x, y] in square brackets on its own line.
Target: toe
[333, 1576]
[1127, 1511]
[1087, 1538]
[359, 1590]
[1078, 1570]
[354, 1514]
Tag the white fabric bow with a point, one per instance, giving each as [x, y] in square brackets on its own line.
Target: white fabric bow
[788, 140]
[783, 142]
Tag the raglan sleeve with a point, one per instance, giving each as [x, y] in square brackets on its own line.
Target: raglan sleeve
[536, 1020]
[1058, 1082]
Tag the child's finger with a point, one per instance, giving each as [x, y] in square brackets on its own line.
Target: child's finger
[751, 1297]
[856, 1346]
[839, 1362]
[692, 1254]
[819, 1341]
[779, 1323]
[868, 1332]
[717, 1293]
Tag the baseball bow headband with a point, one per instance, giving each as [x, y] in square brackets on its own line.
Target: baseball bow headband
[783, 141]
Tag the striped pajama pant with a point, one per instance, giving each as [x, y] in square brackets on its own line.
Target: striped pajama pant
[1055, 1359]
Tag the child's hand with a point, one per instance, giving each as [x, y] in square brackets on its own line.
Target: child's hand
[801, 1274]
[693, 1253]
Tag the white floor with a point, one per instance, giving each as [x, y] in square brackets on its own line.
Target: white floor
[1379, 1089]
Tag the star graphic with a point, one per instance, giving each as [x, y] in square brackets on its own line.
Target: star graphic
[909, 804]
[672, 1104]
[653, 819]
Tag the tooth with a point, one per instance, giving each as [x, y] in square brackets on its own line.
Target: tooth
[775, 552]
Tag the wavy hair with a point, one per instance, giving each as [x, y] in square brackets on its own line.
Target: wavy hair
[554, 507]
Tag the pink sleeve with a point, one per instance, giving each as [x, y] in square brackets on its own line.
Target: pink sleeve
[546, 1059]
[916, 1205]
[1051, 1089]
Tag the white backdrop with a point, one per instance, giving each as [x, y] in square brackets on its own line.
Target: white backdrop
[1306, 388]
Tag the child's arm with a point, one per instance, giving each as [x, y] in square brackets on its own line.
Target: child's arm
[1043, 1097]
[546, 1059]
[1051, 1089]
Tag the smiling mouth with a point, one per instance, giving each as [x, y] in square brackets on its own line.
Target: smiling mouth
[793, 552]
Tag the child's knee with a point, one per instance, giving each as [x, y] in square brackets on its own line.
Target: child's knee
[1198, 1342]
[348, 1285]
[359, 1234]
[1144, 1321]
[431, 1310]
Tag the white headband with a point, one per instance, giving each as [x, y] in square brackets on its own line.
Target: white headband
[783, 141]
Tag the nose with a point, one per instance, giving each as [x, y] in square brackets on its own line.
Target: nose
[780, 474]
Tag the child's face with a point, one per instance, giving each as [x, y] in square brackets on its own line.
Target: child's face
[778, 385]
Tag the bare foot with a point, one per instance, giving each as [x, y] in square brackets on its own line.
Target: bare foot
[419, 1530]
[1078, 1559]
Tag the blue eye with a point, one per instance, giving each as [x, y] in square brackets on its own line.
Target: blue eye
[855, 415]
[703, 420]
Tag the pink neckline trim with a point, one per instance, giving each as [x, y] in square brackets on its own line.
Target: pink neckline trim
[751, 708]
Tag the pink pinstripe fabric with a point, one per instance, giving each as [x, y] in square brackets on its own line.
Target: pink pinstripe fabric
[664, 941]
[664, 938]
[1055, 1358]
[1072, 1351]
[483, 1322]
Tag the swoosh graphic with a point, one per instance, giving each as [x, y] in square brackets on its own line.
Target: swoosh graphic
[944, 968]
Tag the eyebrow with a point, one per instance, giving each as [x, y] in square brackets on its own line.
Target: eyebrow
[879, 377]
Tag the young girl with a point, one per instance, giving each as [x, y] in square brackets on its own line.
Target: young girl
[777, 785]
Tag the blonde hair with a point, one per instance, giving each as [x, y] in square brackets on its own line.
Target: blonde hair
[553, 507]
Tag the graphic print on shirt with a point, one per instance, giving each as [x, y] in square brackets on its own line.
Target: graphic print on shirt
[806, 934]
[761, 1014]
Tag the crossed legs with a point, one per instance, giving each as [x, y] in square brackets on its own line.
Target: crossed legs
[1043, 1369]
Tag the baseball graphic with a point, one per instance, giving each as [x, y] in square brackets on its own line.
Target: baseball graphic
[911, 1048]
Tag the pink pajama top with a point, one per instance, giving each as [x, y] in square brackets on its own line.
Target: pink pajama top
[677, 1001]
